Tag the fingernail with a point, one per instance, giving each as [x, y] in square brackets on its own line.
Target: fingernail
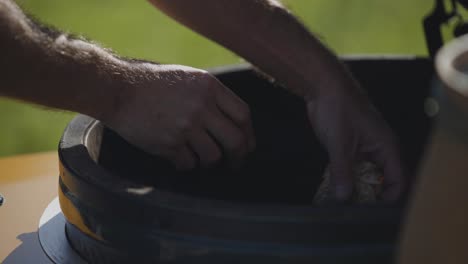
[342, 193]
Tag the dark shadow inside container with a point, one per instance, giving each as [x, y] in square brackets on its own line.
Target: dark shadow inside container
[288, 162]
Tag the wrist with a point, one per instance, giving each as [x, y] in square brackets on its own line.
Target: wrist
[117, 87]
[337, 82]
[123, 86]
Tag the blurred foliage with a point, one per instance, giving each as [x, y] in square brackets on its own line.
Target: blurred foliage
[136, 29]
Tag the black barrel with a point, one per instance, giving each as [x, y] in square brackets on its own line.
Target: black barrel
[125, 206]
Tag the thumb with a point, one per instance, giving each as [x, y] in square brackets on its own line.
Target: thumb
[341, 178]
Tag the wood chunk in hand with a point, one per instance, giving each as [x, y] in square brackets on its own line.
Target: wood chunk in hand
[367, 185]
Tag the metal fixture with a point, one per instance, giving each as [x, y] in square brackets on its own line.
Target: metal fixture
[440, 16]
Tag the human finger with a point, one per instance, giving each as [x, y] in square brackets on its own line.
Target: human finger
[205, 147]
[341, 175]
[394, 182]
[229, 136]
[238, 111]
[183, 158]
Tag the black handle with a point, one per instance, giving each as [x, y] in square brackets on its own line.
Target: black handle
[432, 25]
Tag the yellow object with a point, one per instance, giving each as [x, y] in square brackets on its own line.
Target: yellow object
[74, 217]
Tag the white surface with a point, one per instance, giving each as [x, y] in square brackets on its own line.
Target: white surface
[52, 210]
[52, 236]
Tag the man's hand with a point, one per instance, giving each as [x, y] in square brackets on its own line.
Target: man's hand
[180, 113]
[352, 130]
[185, 115]
[271, 38]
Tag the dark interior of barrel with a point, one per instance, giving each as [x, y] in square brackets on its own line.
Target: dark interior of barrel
[288, 162]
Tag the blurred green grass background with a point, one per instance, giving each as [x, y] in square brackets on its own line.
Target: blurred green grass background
[136, 29]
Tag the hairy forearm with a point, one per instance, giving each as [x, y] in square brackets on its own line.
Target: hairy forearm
[267, 35]
[50, 68]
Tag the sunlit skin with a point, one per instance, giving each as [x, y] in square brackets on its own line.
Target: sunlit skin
[185, 114]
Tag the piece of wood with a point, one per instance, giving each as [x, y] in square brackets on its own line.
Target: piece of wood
[367, 185]
[28, 183]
